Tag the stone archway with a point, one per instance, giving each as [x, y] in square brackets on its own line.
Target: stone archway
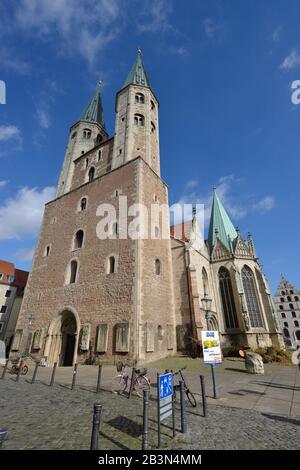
[62, 341]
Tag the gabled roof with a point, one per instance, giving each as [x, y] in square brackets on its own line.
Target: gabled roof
[138, 75]
[93, 112]
[220, 224]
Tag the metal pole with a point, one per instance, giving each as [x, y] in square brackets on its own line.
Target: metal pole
[131, 382]
[99, 378]
[158, 412]
[96, 426]
[182, 408]
[173, 414]
[5, 369]
[74, 376]
[19, 372]
[145, 442]
[35, 372]
[212, 366]
[204, 402]
[53, 374]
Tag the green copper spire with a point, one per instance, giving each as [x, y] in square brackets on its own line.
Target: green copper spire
[220, 224]
[94, 111]
[137, 75]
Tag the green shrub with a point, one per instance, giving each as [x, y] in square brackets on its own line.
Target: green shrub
[271, 354]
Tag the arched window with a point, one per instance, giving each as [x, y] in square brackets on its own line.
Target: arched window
[99, 138]
[152, 105]
[73, 272]
[285, 323]
[297, 334]
[251, 298]
[139, 120]
[99, 155]
[83, 204]
[159, 332]
[283, 315]
[228, 304]
[152, 127]
[282, 292]
[296, 298]
[78, 241]
[157, 266]
[281, 299]
[292, 292]
[291, 306]
[281, 307]
[111, 268]
[140, 98]
[91, 174]
[205, 282]
[294, 314]
[87, 133]
[296, 323]
[286, 332]
[289, 298]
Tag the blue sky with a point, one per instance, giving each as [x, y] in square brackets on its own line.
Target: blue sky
[222, 71]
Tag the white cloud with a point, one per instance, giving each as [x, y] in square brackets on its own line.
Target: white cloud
[25, 254]
[9, 132]
[291, 61]
[191, 184]
[213, 28]
[264, 205]
[155, 17]
[9, 60]
[276, 34]
[43, 118]
[3, 183]
[21, 215]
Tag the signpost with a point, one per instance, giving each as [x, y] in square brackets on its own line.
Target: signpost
[165, 405]
[212, 353]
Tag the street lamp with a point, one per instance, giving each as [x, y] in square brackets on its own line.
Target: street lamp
[206, 305]
[29, 329]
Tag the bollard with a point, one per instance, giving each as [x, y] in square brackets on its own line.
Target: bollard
[3, 433]
[182, 408]
[204, 402]
[145, 443]
[99, 378]
[96, 426]
[35, 372]
[19, 373]
[53, 375]
[214, 381]
[74, 376]
[131, 382]
[4, 369]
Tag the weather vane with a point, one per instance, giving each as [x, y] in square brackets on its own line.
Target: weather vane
[139, 51]
[100, 84]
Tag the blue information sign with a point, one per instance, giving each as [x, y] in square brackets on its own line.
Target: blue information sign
[165, 385]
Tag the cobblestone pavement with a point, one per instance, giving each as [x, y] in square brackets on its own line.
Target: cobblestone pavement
[41, 417]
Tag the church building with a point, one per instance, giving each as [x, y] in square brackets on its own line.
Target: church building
[135, 298]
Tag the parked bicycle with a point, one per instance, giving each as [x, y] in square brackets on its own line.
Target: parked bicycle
[19, 364]
[122, 381]
[190, 396]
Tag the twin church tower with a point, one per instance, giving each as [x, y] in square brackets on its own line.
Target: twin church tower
[136, 299]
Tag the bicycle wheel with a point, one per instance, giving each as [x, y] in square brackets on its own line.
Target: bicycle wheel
[191, 398]
[119, 384]
[142, 383]
[24, 370]
[13, 370]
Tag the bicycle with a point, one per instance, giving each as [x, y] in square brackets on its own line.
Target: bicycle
[122, 381]
[20, 364]
[190, 396]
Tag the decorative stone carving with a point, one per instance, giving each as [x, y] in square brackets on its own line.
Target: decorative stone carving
[149, 337]
[85, 337]
[170, 337]
[17, 340]
[254, 363]
[122, 337]
[38, 339]
[102, 338]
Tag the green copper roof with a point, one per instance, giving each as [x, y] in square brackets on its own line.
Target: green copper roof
[94, 111]
[137, 75]
[220, 222]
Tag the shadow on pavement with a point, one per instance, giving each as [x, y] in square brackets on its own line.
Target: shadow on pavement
[124, 424]
[237, 370]
[282, 418]
[117, 443]
[275, 385]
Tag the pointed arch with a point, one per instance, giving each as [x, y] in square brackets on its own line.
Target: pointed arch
[205, 281]
[227, 297]
[254, 310]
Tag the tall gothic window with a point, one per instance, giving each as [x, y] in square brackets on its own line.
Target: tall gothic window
[227, 299]
[251, 298]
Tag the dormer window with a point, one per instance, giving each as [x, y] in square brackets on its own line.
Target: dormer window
[139, 120]
[139, 98]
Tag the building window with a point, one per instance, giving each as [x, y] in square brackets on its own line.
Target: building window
[282, 292]
[1, 276]
[152, 105]
[292, 292]
[286, 332]
[140, 98]
[289, 298]
[282, 299]
[86, 162]
[83, 204]
[73, 135]
[47, 251]
[281, 307]
[111, 268]
[91, 174]
[227, 299]
[291, 306]
[1, 326]
[152, 127]
[294, 314]
[283, 315]
[10, 279]
[99, 138]
[8, 293]
[285, 323]
[159, 332]
[296, 323]
[139, 120]
[251, 298]
[73, 272]
[87, 133]
[3, 309]
[157, 267]
[296, 298]
[78, 241]
[99, 155]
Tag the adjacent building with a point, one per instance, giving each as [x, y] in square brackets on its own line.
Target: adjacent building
[287, 302]
[12, 285]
